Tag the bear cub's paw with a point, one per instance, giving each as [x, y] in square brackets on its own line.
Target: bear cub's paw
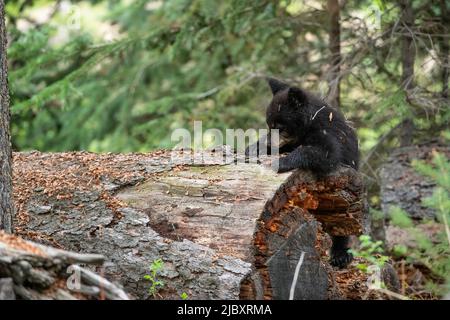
[340, 258]
[284, 165]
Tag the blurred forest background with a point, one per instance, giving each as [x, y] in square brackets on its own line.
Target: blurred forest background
[119, 76]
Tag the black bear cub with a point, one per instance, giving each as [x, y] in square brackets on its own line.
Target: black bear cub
[316, 137]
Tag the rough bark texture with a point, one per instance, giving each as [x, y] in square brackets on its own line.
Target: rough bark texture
[31, 271]
[6, 204]
[402, 186]
[205, 221]
[335, 50]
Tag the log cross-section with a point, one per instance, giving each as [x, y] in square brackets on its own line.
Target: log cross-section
[289, 243]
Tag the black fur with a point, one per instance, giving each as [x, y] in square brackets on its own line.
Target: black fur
[316, 137]
[340, 257]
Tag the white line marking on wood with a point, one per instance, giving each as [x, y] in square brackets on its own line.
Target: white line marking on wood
[294, 281]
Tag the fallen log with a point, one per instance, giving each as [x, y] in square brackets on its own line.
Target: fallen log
[224, 230]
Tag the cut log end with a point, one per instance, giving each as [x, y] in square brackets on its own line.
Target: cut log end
[290, 243]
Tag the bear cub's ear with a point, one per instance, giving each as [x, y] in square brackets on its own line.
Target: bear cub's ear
[297, 96]
[276, 85]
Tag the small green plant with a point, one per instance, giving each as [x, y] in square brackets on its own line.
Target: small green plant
[371, 251]
[184, 296]
[155, 284]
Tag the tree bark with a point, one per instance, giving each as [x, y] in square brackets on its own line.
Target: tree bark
[6, 203]
[335, 50]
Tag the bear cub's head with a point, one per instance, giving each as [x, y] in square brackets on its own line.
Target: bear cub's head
[291, 110]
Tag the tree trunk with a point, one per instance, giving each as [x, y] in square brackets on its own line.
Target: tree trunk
[335, 50]
[407, 132]
[224, 230]
[408, 57]
[6, 204]
[408, 46]
[445, 47]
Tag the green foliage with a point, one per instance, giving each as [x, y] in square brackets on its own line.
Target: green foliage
[371, 251]
[438, 171]
[380, 4]
[155, 268]
[400, 218]
[130, 93]
[184, 296]
[400, 250]
[376, 215]
[164, 64]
